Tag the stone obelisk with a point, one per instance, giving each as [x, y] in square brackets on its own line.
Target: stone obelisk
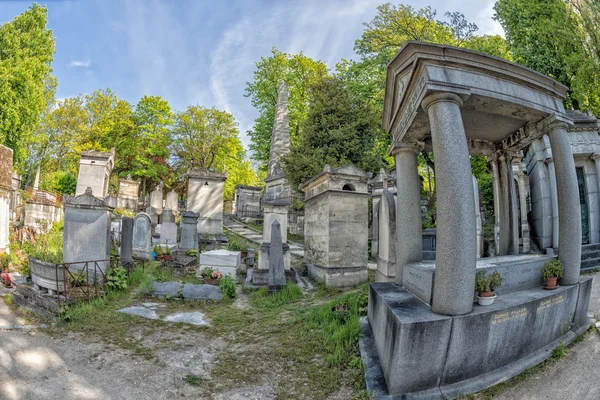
[277, 195]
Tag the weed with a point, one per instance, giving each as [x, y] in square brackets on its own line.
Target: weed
[8, 299]
[558, 352]
[227, 286]
[193, 380]
[290, 294]
[116, 279]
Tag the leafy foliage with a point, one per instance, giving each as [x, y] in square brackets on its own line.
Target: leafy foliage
[26, 86]
[337, 131]
[116, 279]
[552, 269]
[227, 286]
[487, 283]
[300, 73]
[47, 247]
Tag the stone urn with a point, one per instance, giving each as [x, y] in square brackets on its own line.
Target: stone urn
[47, 275]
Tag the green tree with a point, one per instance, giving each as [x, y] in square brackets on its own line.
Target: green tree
[551, 37]
[150, 151]
[337, 131]
[26, 86]
[300, 73]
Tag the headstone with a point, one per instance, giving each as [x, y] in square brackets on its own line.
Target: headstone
[156, 199]
[276, 266]
[167, 216]
[127, 241]
[171, 202]
[386, 258]
[168, 233]
[205, 196]
[250, 258]
[142, 237]
[189, 230]
[86, 235]
[128, 196]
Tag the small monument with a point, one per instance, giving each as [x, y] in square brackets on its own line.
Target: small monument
[127, 242]
[386, 233]
[86, 234]
[247, 201]
[277, 279]
[172, 202]
[205, 197]
[142, 237]
[376, 189]
[189, 231]
[156, 205]
[95, 168]
[128, 196]
[336, 232]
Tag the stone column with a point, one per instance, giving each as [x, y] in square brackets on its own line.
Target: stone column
[523, 202]
[409, 240]
[493, 162]
[478, 220]
[569, 211]
[127, 241]
[553, 196]
[504, 232]
[456, 235]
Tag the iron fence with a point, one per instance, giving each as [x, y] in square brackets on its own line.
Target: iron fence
[248, 211]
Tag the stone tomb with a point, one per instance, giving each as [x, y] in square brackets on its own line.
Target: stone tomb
[205, 197]
[128, 196]
[86, 235]
[336, 233]
[247, 201]
[457, 102]
[95, 168]
[224, 261]
[142, 237]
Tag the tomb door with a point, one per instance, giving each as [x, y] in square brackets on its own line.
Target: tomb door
[585, 229]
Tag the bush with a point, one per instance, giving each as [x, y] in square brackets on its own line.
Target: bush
[552, 269]
[48, 247]
[192, 253]
[124, 212]
[116, 279]
[234, 245]
[227, 286]
[485, 283]
[206, 272]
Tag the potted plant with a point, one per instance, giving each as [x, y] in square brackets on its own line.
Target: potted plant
[485, 285]
[551, 271]
[167, 255]
[158, 251]
[210, 276]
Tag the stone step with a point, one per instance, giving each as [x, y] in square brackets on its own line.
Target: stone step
[590, 264]
[586, 255]
[590, 247]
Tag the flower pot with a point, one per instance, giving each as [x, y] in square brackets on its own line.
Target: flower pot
[244, 253]
[167, 258]
[210, 281]
[551, 284]
[484, 299]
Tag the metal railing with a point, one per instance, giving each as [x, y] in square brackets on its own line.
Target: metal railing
[248, 211]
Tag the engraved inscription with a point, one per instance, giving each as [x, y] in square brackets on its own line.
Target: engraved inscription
[507, 316]
[551, 302]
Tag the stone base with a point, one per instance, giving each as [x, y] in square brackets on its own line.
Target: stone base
[263, 257]
[386, 271]
[420, 354]
[339, 277]
[260, 277]
[210, 226]
[520, 272]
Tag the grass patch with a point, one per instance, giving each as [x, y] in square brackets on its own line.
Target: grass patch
[193, 380]
[290, 294]
[8, 300]
[295, 238]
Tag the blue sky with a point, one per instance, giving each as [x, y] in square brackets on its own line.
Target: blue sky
[203, 52]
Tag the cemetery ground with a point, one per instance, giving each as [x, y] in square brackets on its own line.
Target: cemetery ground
[290, 345]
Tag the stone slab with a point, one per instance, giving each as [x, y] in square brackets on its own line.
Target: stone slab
[338, 277]
[201, 292]
[220, 258]
[168, 232]
[192, 318]
[520, 272]
[140, 312]
[162, 289]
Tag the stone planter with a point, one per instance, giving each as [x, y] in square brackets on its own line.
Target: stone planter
[44, 274]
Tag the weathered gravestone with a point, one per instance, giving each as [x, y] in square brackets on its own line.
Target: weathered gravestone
[171, 203]
[168, 233]
[86, 235]
[276, 264]
[189, 230]
[127, 241]
[386, 258]
[142, 237]
[167, 216]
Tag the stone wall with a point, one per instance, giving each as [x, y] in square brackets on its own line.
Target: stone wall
[6, 160]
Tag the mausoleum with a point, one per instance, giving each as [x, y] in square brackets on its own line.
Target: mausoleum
[95, 168]
[424, 334]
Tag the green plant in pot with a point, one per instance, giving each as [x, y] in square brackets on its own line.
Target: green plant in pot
[484, 286]
[167, 255]
[158, 251]
[551, 271]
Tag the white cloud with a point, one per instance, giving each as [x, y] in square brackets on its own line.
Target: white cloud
[79, 64]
